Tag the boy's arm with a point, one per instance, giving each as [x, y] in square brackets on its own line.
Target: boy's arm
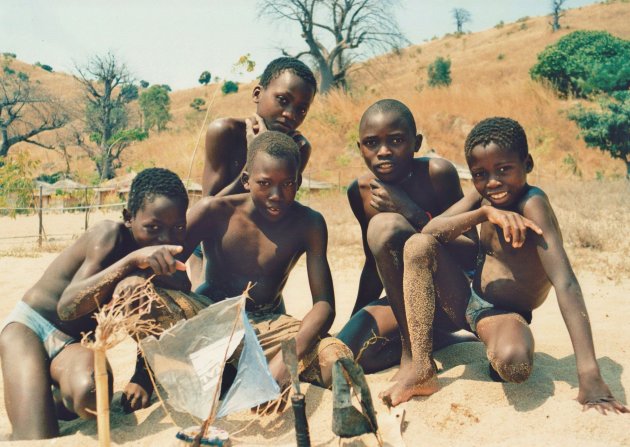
[370, 285]
[95, 280]
[198, 224]
[593, 390]
[221, 137]
[318, 320]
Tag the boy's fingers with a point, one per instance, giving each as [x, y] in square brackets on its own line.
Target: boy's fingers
[533, 227]
[174, 249]
[179, 265]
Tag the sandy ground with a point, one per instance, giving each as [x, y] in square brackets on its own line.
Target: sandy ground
[470, 409]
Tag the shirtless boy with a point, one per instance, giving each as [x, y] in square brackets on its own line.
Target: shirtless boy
[392, 202]
[259, 236]
[39, 341]
[522, 257]
[283, 96]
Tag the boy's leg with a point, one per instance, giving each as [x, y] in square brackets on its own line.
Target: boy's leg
[27, 384]
[509, 344]
[73, 370]
[373, 336]
[386, 235]
[427, 287]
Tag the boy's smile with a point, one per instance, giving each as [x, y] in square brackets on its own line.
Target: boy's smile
[284, 103]
[159, 221]
[499, 175]
[273, 185]
[387, 145]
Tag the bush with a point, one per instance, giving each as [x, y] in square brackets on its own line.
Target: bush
[440, 72]
[198, 103]
[585, 62]
[229, 87]
[155, 105]
[144, 84]
[608, 128]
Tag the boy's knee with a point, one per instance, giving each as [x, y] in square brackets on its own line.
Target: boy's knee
[83, 395]
[387, 229]
[513, 363]
[420, 249]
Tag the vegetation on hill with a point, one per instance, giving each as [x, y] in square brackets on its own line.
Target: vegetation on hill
[489, 73]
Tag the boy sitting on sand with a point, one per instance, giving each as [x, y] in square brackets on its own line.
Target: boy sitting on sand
[522, 257]
[392, 202]
[39, 341]
[259, 236]
[283, 96]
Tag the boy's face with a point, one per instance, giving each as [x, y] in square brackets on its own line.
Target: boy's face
[498, 174]
[387, 145]
[284, 103]
[272, 183]
[159, 221]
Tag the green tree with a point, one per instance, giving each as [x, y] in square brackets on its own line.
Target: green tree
[155, 105]
[229, 87]
[440, 72]
[16, 181]
[205, 77]
[607, 128]
[585, 62]
[105, 82]
[26, 110]
[556, 13]
[144, 84]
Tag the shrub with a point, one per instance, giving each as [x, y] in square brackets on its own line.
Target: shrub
[198, 103]
[144, 84]
[440, 72]
[229, 87]
[204, 78]
[585, 62]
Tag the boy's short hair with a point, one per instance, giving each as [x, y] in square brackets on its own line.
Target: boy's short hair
[276, 144]
[504, 132]
[387, 106]
[278, 66]
[153, 182]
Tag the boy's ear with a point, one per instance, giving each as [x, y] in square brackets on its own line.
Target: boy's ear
[529, 163]
[126, 217]
[256, 93]
[299, 180]
[245, 180]
[418, 142]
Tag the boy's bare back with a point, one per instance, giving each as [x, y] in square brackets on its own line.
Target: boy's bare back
[95, 250]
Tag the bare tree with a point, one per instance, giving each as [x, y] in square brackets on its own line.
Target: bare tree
[108, 89]
[461, 16]
[556, 13]
[337, 32]
[26, 111]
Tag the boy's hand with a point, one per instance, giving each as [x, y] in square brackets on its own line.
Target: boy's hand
[160, 258]
[280, 373]
[254, 126]
[596, 394]
[389, 199]
[134, 398]
[128, 285]
[513, 224]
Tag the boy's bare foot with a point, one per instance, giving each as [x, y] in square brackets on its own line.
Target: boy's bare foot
[410, 383]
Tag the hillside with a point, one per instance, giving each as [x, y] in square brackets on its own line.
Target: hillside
[490, 77]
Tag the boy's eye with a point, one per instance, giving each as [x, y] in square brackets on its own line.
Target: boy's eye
[289, 184]
[282, 100]
[504, 169]
[152, 228]
[263, 183]
[180, 227]
[478, 175]
[369, 143]
[397, 140]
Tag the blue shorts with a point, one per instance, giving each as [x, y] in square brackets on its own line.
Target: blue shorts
[477, 306]
[52, 338]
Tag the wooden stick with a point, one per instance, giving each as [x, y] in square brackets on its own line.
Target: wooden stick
[102, 397]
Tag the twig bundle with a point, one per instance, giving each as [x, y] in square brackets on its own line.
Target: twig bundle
[125, 314]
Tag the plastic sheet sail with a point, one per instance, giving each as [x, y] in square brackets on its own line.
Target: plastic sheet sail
[188, 358]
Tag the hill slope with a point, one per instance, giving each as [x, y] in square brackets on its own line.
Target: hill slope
[490, 71]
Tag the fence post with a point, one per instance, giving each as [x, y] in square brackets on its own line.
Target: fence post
[87, 208]
[41, 223]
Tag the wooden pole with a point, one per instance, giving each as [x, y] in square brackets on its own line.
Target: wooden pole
[87, 208]
[102, 397]
[41, 222]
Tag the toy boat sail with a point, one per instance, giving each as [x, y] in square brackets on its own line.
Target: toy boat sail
[188, 359]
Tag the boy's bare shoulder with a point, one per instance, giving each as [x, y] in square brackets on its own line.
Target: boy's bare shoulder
[225, 129]
[438, 168]
[363, 181]
[535, 204]
[306, 215]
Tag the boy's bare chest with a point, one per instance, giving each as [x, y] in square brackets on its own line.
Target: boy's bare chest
[245, 248]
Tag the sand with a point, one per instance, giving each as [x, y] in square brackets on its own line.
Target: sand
[470, 409]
